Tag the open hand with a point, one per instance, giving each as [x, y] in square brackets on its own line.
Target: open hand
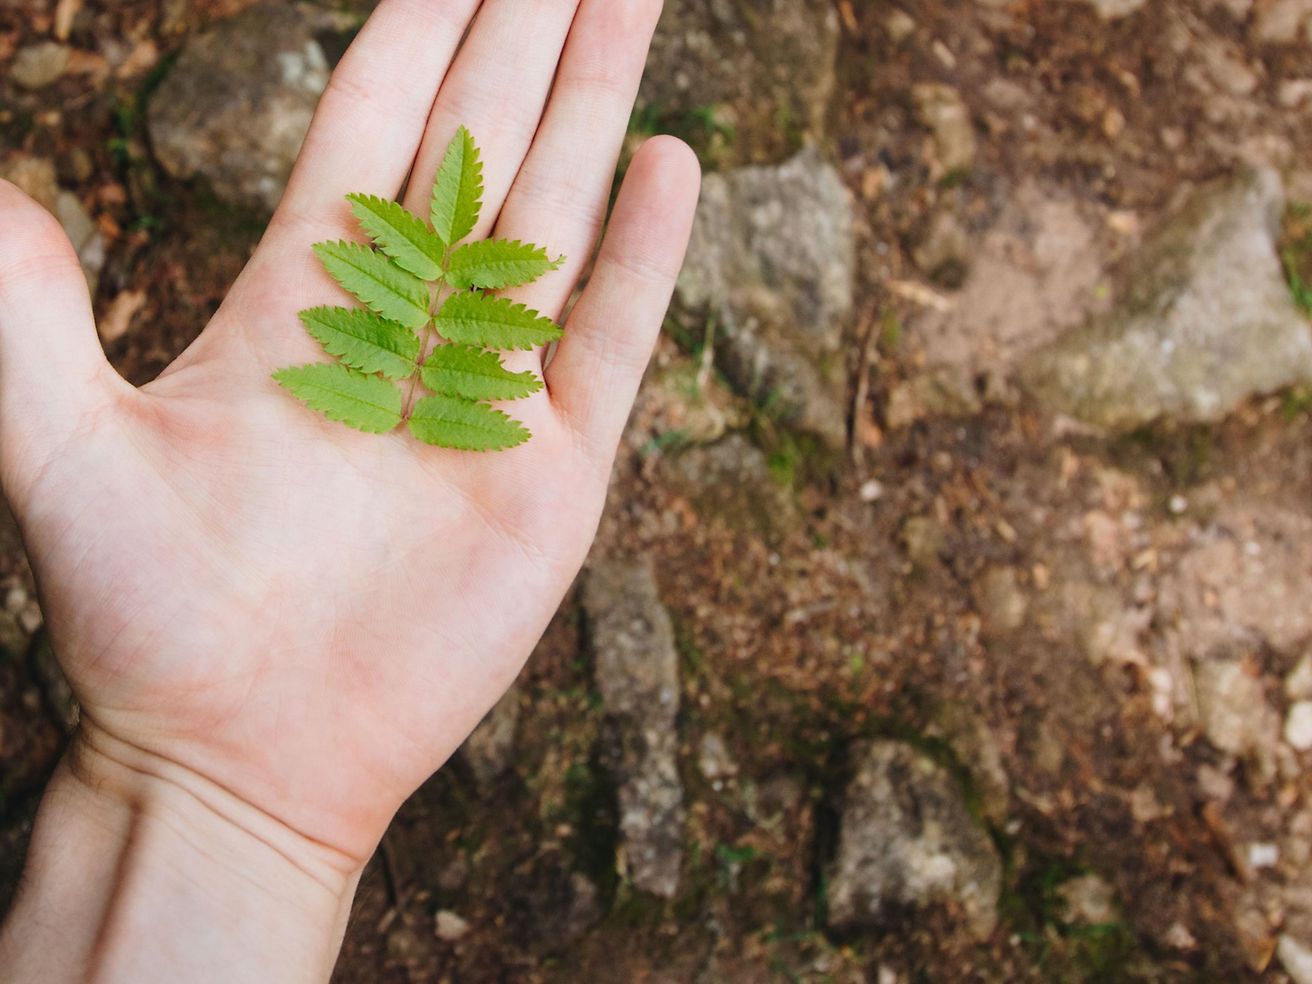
[276, 612]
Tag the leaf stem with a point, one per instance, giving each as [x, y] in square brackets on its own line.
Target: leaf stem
[441, 290]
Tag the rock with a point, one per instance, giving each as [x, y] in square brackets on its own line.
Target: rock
[489, 751]
[924, 541]
[942, 111]
[637, 671]
[449, 927]
[39, 65]
[1295, 958]
[772, 261]
[1110, 10]
[976, 748]
[1298, 726]
[37, 178]
[714, 758]
[1298, 685]
[1280, 22]
[946, 392]
[237, 105]
[1235, 715]
[1001, 601]
[1204, 320]
[731, 481]
[907, 841]
[768, 70]
[900, 25]
[1089, 900]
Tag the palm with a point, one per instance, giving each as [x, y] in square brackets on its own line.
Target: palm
[312, 617]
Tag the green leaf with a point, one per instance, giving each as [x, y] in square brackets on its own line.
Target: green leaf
[366, 403]
[449, 422]
[377, 281]
[496, 263]
[400, 234]
[364, 341]
[458, 190]
[470, 373]
[494, 323]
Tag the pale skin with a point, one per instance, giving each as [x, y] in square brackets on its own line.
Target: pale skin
[278, 628]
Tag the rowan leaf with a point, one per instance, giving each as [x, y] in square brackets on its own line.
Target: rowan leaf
[401, 234]
[493, 264]
[364, 341]
[366, 403]
[458, 189]
[494, 323]
[462, 425]
[377, 281]
[473, 374]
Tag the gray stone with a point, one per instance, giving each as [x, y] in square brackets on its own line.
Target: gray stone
[766, 68]
[637, 671]
[731, 481]
[236, 107]
[39, 65]
[772, 262]
[1204, 320]
[490, 749]
[36, 177]
[907, 842]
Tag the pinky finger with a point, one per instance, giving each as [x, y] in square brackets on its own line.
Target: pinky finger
[610, 334]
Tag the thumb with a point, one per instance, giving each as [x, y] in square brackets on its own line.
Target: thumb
[53, 372]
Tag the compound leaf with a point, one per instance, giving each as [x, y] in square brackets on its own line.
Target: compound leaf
[493, 264]
[470, 373]
[449, 422]
[364, 341]
[350, 397]
[494, 323]
[458, 190]
[401, 234]
[377, 281]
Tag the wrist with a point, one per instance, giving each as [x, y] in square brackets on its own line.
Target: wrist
[168, 876]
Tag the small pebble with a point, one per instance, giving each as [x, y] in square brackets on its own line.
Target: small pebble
[450, 927]
[1263, 855]
[1298, 726]
[15, 600]
[30, 619]
[872, 491]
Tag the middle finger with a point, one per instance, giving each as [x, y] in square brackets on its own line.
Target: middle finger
[498, 88]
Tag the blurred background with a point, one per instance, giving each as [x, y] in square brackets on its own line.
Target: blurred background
[952, 616]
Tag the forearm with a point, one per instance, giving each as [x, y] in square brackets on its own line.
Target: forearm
[141, 871]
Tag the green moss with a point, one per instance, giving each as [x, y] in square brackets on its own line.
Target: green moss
[702, 127]
[1296, 254]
